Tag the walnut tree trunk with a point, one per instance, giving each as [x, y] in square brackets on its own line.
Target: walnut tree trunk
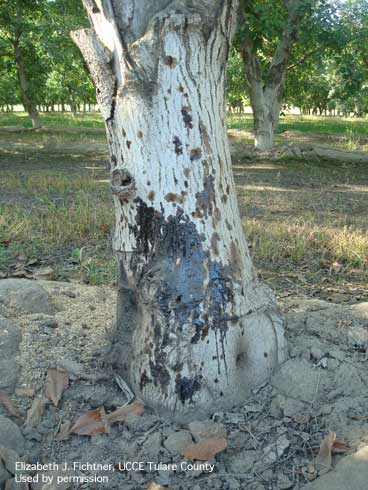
[196, 330]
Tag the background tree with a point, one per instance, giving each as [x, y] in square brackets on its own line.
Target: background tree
[20, 40]
[265, 43]
[195, 328]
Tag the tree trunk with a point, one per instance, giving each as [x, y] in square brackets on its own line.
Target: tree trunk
[266, 114]
[73, 108]
[29, 104]
[195, 330]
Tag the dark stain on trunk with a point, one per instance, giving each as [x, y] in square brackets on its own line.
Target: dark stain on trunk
[186, 285]
[178, 146]
[186, 388]
[187, 118]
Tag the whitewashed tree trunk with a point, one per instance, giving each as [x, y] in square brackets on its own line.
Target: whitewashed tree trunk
[196, 330]
[266, 102]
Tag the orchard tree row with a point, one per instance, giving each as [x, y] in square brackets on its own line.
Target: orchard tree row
[309, 54]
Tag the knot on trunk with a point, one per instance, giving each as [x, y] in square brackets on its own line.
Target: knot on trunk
[123, 185]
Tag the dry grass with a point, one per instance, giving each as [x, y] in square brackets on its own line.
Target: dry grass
[297, 215]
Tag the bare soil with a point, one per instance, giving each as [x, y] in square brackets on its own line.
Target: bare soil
[273, 438]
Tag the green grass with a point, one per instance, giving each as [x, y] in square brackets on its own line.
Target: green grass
[324, 124]
[88, 120]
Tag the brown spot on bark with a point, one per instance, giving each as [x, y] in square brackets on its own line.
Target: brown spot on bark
[181, 88]
[224, 198]
[123, 132]
[129, 144]
[186, 184]
[187, 118]
[170, 61]
[171, 197]
[151, 196]
[186, 172]
[217, 214]
[227, 189]
[207, 197]
[139, 134]
[205, 137]
[214, 243]
[235, 263]
[195, 154]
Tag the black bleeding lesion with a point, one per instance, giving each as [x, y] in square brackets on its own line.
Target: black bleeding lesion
[186, 388]
[123, 185]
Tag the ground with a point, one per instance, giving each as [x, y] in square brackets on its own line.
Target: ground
[306, 224]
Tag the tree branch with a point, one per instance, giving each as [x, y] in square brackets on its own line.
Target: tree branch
[98, 60]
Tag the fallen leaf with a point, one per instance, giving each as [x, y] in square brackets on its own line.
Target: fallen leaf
[339, 447]
[336, 266]
[27, 392]
[56, 382]
[324, 457]
[73, 367]
[120, 415]
[34, 414]
[8, 404]
[8, 459]
[19, 273]
[92, 423]
[155, 486]
[64, 431]
[205, 449]
[13, 485]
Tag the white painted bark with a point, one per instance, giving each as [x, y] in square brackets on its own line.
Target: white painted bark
[195, 328]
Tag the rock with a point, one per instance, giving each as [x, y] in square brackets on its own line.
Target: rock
[10, 337]
[49, 323]
[351, 473]
[178, 441]
[243, 462]
[8, 375]
[25, 295]
[361, 310]
[4, 474]
[152, 446]
[10, 435]
[283, 483]
[348, 379]
[201, 430]
[294, 409]
[273, 452]
[298, 379]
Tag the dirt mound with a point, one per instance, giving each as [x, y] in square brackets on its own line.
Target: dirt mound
[272, 440]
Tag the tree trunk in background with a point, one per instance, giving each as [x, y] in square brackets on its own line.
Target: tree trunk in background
[196, 330]
[73, 108]
[29, 104]
[266, 89]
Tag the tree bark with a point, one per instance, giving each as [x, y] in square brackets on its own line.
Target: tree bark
[29, 104]
[195, 328]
